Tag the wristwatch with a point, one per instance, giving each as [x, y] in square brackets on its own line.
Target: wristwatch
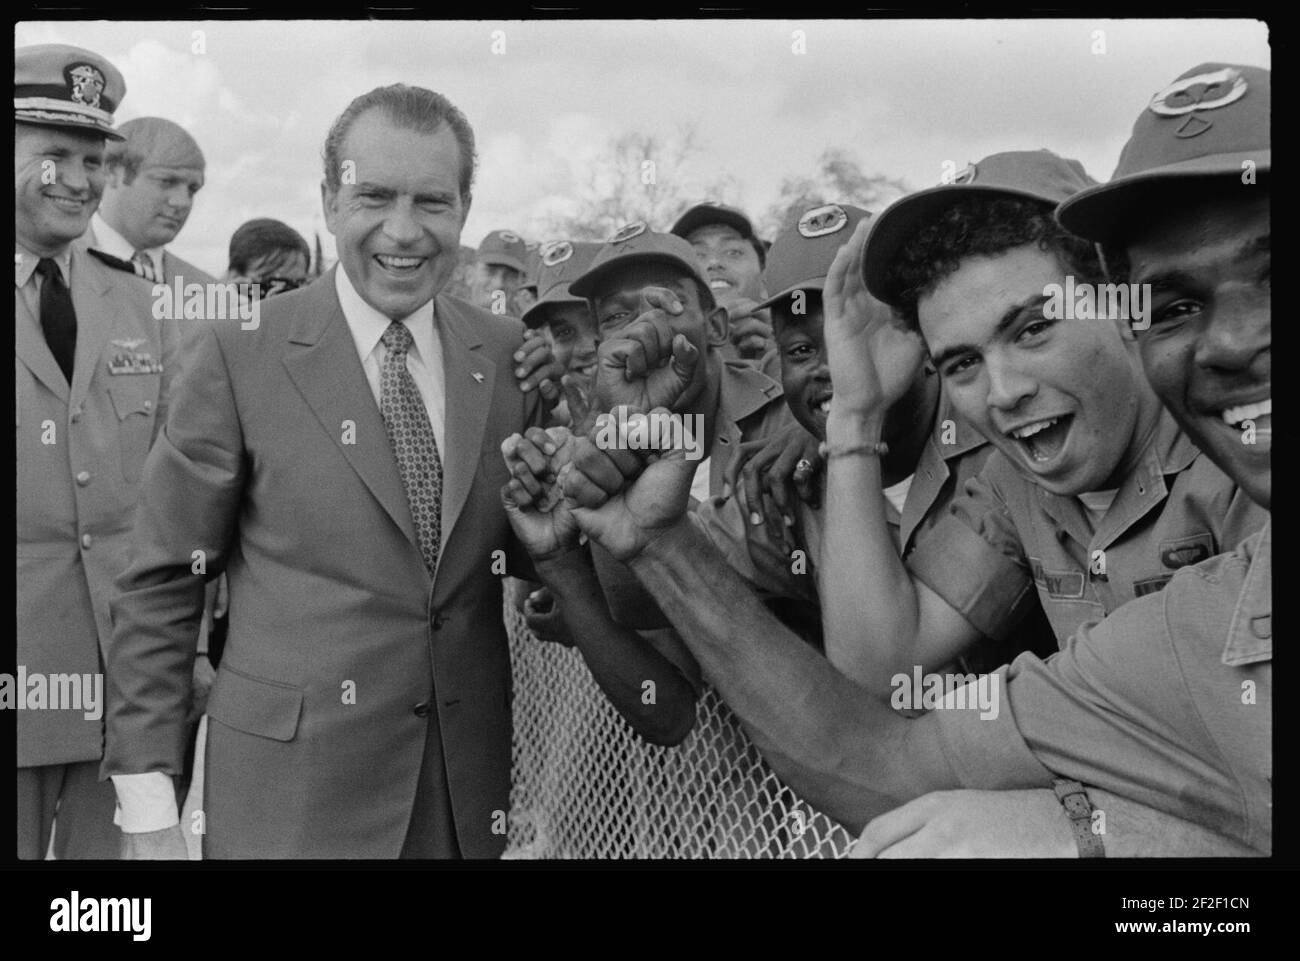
[1078, 809]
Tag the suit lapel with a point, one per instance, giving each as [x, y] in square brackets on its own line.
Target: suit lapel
[468, 399]
[31, 349]
[91, 293]
[322, 361]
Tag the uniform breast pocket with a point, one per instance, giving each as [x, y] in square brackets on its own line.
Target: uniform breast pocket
[135, 399]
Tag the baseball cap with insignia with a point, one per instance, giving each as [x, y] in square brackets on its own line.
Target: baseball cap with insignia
[57, 85]
[504, 247]
[710, 212]
[802, 253]
[634, 243]
[1210, 122]
[1032, 174]
[561, 262]
[533, 264]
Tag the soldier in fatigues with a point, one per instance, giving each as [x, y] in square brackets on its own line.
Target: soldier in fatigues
[92, 366]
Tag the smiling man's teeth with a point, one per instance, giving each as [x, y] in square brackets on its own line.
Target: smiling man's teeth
[68, 202]
[389, 261]
[1236, 415]
[718, 284]
[1032, 429]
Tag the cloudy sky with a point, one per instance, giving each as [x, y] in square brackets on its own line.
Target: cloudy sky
[903, 96]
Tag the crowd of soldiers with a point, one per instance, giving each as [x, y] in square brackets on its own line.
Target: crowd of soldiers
[964, 508]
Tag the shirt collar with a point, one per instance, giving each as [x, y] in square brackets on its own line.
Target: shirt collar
[1168, 452]
[111, 242]
[1173, 449]
[368, 325]
[25, 264]
[744, 389]
[965, 438]
[1250, 638]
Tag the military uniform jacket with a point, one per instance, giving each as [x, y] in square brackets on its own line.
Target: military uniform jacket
[80, 453]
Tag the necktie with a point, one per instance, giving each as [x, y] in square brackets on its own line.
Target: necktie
[144, 265]
[411, 435]
[58, 318]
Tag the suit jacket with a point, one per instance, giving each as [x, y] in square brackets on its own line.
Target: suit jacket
[275, 463]
[80, 453]
[172, 265]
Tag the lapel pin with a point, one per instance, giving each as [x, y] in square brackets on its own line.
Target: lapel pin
[477, 376]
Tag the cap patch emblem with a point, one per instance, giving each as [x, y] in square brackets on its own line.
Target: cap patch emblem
[556, 253]
[1205, 91]
[823, 220]
[635, 229]
[964, 176]
[85, 83]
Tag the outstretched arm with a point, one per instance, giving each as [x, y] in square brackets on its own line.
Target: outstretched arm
[845, 751]
[651, 693]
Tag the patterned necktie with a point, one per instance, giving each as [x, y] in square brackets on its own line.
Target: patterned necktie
[58, 318]
[411, 435]
[143, 264]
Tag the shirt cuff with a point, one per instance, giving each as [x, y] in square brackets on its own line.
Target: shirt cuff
[145, 802]
[978, 581]
[986, 749]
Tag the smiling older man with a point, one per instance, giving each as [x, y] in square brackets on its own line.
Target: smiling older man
[340, 465]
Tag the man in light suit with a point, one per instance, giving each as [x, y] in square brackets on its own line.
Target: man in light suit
[154, 174]
[340, 463]
[92, 368]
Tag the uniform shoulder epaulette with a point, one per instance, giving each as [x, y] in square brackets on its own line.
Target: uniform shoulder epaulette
[117, 263]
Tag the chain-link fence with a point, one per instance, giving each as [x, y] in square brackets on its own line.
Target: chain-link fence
[585, 786]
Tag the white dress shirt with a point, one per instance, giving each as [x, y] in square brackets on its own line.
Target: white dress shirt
[147, 802]
[423, 360]
[28, 283]
[111, 242]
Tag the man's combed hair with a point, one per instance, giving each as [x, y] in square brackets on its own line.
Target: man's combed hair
[983, 227]
[151, 140]
[413, 108]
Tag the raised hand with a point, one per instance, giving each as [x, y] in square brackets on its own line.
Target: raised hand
[577, 402]
[536, 366]
[748, 328]
[782, 468]
[624, 499]
[532, 499]
[872, 357]
[646, 364]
